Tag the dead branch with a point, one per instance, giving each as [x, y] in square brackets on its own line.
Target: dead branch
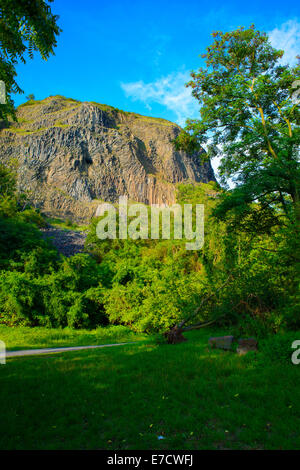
[174, 335]
[205, 300]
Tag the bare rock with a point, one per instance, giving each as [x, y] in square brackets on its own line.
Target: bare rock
[73, 155]
[246, 345]
[221, 342]
[67, 242]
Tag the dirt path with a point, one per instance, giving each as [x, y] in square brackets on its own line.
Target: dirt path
[34, 352]
[68, 242]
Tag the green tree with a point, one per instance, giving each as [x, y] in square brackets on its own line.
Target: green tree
[7, 180]
[30, 97]
[249, 117]
[25, 27]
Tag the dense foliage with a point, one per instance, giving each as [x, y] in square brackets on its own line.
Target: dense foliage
[148, 285]
[156, 284]
[37, 286]
[250, 117]
[25, 27]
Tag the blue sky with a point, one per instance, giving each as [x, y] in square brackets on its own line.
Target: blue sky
[137, 55]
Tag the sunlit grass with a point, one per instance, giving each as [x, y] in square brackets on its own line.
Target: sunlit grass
[39, 337]
[66, 224]
[125, 398]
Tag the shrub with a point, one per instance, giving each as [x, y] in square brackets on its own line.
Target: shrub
[279, 347]
[19, 299]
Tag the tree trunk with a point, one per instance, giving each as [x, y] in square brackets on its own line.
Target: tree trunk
[174, 335]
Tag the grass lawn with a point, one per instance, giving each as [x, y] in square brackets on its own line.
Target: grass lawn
[39, 337]
[125, 398]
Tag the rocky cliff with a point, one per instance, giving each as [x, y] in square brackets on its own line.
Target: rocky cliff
[73, 155]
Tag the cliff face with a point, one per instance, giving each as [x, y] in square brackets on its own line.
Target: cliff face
[73, 155]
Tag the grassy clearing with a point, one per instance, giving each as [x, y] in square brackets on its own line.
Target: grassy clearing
[66, 224]
[125, 398]
[39, 337]
[153, 120]
[30, 103]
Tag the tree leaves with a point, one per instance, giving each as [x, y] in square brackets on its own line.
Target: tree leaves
[247, 110]
[25, 27]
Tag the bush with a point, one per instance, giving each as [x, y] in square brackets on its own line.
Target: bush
[19, 299]
[31, 215]
[279, 347]
[147, 285]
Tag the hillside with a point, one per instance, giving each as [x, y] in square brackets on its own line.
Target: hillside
[72, 155]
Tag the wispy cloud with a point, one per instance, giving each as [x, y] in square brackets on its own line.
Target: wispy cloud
[287, 37]
[168, 91]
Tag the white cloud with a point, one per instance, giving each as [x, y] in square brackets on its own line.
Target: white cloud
[215, 163]
[287, 37]
[168, 91]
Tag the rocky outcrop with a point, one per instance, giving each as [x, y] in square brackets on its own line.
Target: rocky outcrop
[67, 242]
[73, 155]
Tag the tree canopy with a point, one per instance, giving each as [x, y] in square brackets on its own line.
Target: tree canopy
[250, 118]
[25, 27]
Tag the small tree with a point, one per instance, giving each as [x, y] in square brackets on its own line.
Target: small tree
[30, 97]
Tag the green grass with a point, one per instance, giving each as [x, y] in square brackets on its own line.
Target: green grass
[39, 337]
[124, 398]
[153, 120]
[66, 224]
[30, 103]
[61, 124]
[19, 130]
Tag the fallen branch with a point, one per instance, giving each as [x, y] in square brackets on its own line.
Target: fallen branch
[206, 299]
[201, 325]
[174, 335]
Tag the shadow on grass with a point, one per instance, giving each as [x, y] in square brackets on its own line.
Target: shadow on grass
[125, 398]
